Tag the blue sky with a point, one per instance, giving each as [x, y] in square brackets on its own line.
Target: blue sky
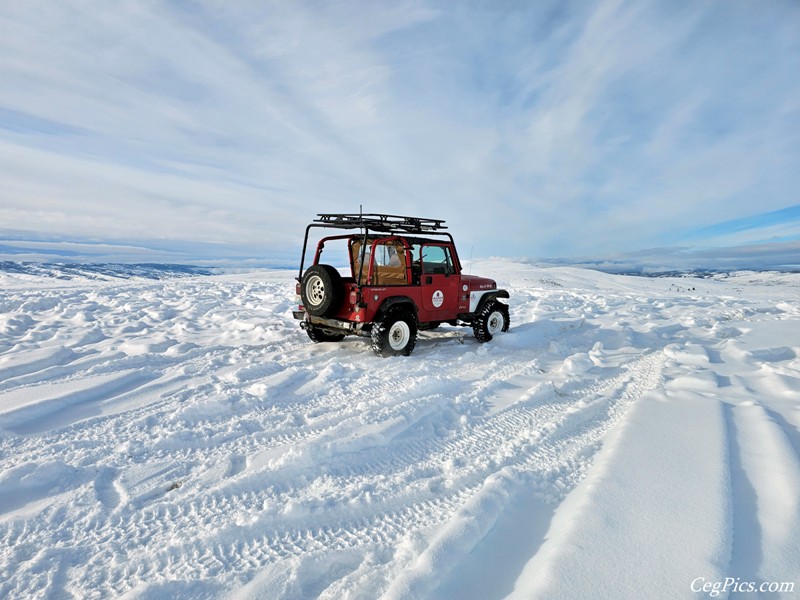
[541, 129]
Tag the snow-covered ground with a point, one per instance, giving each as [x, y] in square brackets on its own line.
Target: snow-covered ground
[182, 438]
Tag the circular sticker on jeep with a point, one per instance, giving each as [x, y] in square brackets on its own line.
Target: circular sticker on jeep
[438, 298]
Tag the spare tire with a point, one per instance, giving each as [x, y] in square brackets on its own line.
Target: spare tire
[321, 290]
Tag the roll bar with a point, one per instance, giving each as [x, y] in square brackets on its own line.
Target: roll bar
[375, 222]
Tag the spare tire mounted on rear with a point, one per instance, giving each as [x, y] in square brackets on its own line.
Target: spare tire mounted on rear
[321, 290]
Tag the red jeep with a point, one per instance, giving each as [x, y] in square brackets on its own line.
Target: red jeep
[404, 276]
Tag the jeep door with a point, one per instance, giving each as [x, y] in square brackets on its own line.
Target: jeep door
[439, 282]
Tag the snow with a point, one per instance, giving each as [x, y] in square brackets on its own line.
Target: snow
[182, 438]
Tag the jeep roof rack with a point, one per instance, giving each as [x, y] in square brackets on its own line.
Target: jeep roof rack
[380, 222]
[374, 222]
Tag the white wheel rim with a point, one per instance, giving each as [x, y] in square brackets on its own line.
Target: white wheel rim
[495, 322]
[399, 335]
[315, 290]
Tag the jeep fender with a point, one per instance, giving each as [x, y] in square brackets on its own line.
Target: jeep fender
[395, 302]
[483, 298]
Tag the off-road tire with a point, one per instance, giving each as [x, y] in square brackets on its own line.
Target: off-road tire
[492, 320]
[321, 290]
[318, 335]
[395, 335]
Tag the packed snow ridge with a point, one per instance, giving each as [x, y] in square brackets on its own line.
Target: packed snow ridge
[183, 438]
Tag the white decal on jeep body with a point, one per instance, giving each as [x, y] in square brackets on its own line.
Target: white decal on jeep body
[475, 297]
[438, 298]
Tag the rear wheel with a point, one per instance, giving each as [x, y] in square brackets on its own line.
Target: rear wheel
[492, 320]
[321, 290]
[395, 335]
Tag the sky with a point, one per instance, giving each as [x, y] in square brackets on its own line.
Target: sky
[568, 130]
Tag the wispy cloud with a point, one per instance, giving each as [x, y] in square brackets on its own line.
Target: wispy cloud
[774, 226]
[542, 128]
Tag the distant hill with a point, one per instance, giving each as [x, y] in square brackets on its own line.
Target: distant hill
[102, 271]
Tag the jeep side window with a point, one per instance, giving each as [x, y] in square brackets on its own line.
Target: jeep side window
[436, 260]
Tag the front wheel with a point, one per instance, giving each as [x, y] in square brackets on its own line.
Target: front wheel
[492, 320]
[396, 335]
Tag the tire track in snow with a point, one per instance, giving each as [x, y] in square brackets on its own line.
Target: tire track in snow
[746, 547]
[561, 435]
[765, 495]
[575, 441]
[542, 458]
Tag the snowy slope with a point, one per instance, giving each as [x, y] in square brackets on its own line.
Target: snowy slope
[182, 438]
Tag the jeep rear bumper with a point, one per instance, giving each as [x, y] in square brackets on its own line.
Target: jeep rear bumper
[330, 325]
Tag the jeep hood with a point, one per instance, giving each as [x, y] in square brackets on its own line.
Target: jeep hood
[476, 283]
